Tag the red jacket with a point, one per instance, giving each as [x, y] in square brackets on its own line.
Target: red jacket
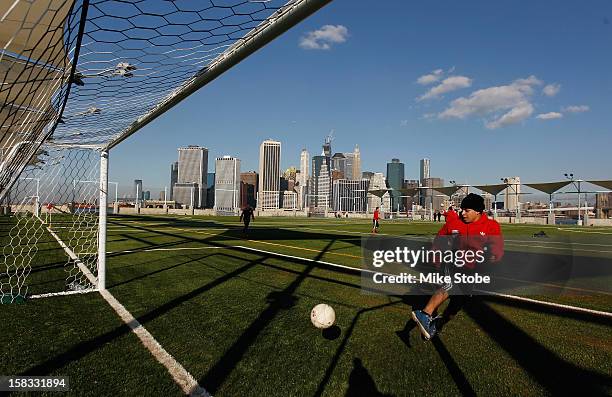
[478, 235]
[450, 215]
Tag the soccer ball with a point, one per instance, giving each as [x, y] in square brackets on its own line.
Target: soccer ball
[322, 316]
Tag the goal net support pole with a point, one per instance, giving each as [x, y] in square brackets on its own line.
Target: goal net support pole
[103, 204]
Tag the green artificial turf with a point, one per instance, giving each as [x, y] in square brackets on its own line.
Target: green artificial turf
[238, 321]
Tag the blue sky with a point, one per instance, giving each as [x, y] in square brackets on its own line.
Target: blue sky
[506, 88]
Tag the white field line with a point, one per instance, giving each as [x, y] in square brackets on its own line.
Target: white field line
[92, 279]
[510, 297]
[181, 377]
[583, 231]
[164, 249]
[179, 374]
[64, 293]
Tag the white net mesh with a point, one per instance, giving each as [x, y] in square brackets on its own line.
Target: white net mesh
[77, 78]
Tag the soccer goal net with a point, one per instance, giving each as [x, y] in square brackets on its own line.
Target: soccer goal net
[78, 78]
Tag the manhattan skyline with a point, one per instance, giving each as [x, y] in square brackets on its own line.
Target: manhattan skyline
[409, 88]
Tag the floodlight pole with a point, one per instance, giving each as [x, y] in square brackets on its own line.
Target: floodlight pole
[102, 220]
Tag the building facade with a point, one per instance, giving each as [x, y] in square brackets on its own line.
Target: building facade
[269, 175]
[173, 176]
[424, 170]
[227, 185]
[193, 168]
[512, 194]
[395, 180]
[138, 189]
[248, 189]
[186, 194]
[350, 195]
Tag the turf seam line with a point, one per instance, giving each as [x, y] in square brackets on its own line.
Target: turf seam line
[506, 296]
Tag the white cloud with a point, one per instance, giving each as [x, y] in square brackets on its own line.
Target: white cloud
[576, 109]
[515, 115]
[447, 85]
[430, 78]
[551, 89]
[404, 123]
[513, 99]
[549, 116]
[324, 38]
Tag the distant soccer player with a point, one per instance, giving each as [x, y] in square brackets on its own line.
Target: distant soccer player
[246, 216]
[474, 231]
[375, 222]
[450, 214]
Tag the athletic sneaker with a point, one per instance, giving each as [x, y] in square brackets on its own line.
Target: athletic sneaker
[425, 323]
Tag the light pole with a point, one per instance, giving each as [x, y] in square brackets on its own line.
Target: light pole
[576, 183]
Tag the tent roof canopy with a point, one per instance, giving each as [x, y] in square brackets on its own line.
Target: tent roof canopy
[548, 187]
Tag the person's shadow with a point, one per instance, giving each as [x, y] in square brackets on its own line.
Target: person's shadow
[361, 383]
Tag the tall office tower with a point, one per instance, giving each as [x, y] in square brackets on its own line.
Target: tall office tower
[210, 190]
[327, 145]
[425, 170]
[303, 179]
[304, 159]
[173, 176]
[320, 174]
[353, 164]
[193, 168]
[395, 180]
[227, 185]
[356, 162]
[338, 163]
[323, 187]
[269, 175]
[512, 193]
[248, 189]
[138, 189]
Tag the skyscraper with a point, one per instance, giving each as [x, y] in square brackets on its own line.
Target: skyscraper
[227, 185]
[395, 180]
[248, 189]
[304, 158]
[338, 163]
[327, 145]
[303, 178]
[193, 169]
[318, 190]
[425, 170]
[356, 162]
[173, 176]
[269, 175]
[138, 189]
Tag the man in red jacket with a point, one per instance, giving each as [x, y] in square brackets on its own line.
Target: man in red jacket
[472, 231]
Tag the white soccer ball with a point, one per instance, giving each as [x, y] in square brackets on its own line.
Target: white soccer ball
[323, 316]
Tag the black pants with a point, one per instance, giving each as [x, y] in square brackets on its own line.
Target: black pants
[246, 226]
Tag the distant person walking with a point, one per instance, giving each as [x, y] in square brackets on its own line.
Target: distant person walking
[246, 216]
[375, 222]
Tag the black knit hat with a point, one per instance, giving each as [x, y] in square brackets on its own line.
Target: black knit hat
[473, 202]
